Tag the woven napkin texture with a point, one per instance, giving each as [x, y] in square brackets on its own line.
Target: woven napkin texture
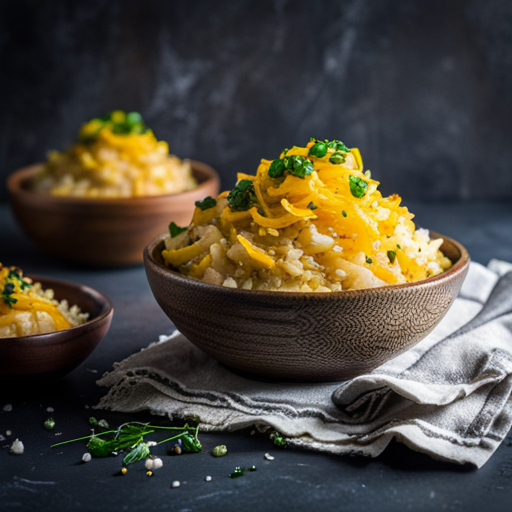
[449, 396]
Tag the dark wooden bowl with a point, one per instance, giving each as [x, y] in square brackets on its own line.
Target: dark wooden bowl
[311, 337]
[53, 355]
[102, 232]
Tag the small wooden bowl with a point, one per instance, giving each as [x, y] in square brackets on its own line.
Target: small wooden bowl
[55, 354]
[102, 232]
[313, 337]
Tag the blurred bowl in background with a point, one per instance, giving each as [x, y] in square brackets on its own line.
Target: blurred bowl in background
[53, 355]
[102, 232]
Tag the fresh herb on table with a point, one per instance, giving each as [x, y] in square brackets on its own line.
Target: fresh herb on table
[358, 187]
[131, 436]
[239, 471]
[175, 230]
[279, 440]
[206, 203]
[242, 197]
[220, 451]
[49, 424]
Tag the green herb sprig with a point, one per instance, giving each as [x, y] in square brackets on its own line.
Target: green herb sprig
[131, 436]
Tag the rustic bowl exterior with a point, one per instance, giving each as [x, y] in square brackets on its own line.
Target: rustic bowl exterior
[311, 337]
[55, 354]
[102, 232]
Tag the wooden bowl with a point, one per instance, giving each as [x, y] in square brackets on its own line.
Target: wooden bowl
[313, 337]
[55, 354]
[102, 232]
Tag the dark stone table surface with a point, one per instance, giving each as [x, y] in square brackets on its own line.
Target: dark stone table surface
[55, 479]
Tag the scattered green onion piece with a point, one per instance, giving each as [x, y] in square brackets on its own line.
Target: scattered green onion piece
[337, 158]
[344, 213]
[191, 443]
[312, 206]
[206, 203]
[175, 230]
[238, 472]
[369, 261]
[358, 187]
[49, 424]
[392, 256]
[220, 451]
[242, 197]
[319, 150]
[276, 169]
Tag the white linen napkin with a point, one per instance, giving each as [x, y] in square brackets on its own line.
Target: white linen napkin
[449, 396]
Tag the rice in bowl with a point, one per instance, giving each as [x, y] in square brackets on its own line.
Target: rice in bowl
[27, 309]
[117, 156]
[309, 221]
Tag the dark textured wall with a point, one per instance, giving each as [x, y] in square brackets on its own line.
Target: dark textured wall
[423, 88]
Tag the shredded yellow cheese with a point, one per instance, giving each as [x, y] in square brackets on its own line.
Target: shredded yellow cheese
[26, 309]
[322, 225]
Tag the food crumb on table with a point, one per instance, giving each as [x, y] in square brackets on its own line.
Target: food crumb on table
[17, 447]
[7, 407]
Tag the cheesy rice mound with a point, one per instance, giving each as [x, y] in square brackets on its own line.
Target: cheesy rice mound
[26, 309]
[309, 221]
[117, 156]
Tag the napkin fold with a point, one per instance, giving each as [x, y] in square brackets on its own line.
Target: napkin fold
[449, 396]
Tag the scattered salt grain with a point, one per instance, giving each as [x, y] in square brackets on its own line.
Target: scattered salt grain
[269, 457]
[86, 457]
[17, 447]
[50, 409]
[176, 483]
[208, 478]
[8, 432]
[7, 407]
